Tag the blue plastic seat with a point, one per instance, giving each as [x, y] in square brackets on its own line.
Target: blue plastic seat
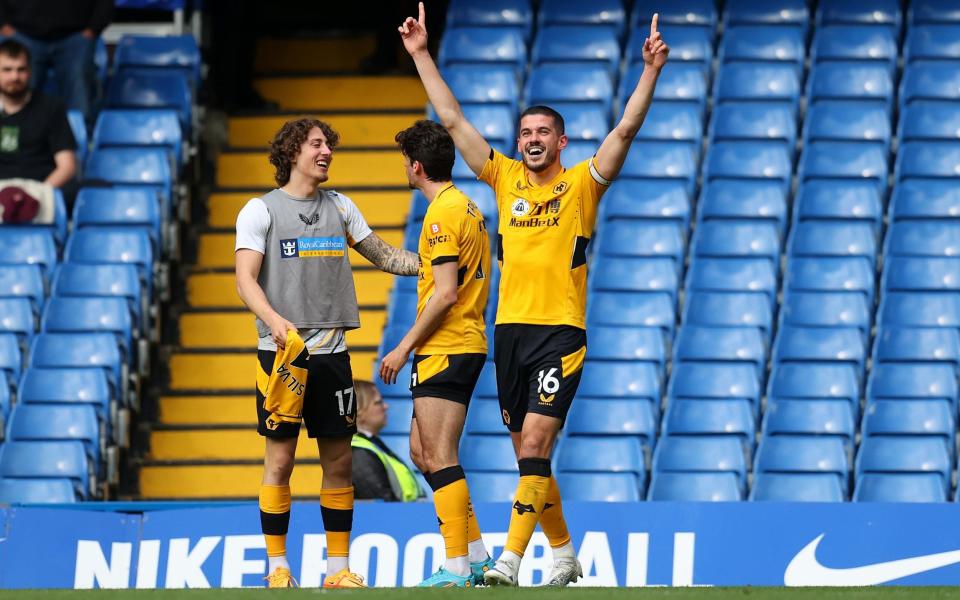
[487, 383]
[936, 239]
[696, 343]
[52, 350]
[578, 151]
[827, 309]
[810, 417]
[754, 121]
[754, 200]
[803, 454]
[602, 14]
[714, 381]
[636, 309]
[400, 413]
[687, 44]
[929, 120]
[832, 238]
[913, 381]
[780, 12]
[933, 11]
[763, 43]
[569, 83]
[796, 487]
[905, 454]
[928, 159]
[686, 83]
[23, 281]
[629, 274]
[844, 160]
[142, 167]
[11, 361]
[17, 317]
[916, 417]
[820, 344]
[711, 417]
[830, 274]
[144, 127]
[27, 245]
[601, 454]
[917, 309]
[669, 160]
[488, 453]
[94, 314]
[115, 279]
[695, 487]
[749, 160]
[847, 200]
[843, 120]
[79, 128]
[36, 491]
[179, 52]
[576, 44]
[627, 344]
[899, 487]
[676, 121]
[861, 81]
[483, 417]
[400, 444]
[643, 239]
[862, 12]
[930, 81]
[855, 43]
[39, 422]
[815, 382]
[601, 487]
[119, 245]
[581, 121]
[679, 12]
[917, 344]
[120, 206]
[154, 88]
[483, 45]
[767, 82]
[43, 460]
[735, 239]
[921, 273]
[660, 199]
[611, 380]
[491, 486]
[67, 386]
[515, 14]
[629, 417]
[732, 275]
[932, 42]
[483, 83]
[729, 309]
[714, 453]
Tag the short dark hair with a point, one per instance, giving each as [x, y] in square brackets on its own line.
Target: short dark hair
[286, 144]
[14, 49]
[540, 109]
[431, 145]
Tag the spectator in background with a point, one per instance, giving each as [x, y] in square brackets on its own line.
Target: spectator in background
[378, 473]
[62, 35]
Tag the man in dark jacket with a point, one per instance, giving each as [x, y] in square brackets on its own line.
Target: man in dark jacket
[62, 35]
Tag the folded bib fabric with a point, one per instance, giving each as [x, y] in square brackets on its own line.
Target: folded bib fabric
[287, 382]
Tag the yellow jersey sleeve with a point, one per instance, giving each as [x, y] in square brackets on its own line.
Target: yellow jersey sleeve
[499, 172]
[444, 233]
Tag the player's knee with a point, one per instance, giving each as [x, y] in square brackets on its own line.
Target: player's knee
[438, 458]
[535, 444]
[416, 456]
[277, 468]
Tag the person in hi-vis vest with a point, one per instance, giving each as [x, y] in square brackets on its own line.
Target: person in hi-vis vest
[378, 473]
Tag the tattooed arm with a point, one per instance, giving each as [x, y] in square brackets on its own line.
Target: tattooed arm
[387, 258]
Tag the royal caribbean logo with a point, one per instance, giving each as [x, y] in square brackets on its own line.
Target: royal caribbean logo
[312, 247]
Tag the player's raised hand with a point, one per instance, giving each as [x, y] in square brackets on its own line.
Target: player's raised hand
[414, 32]
[655, 50]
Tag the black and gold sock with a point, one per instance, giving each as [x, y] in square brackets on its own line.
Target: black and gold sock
[336, 508]
[530, 498]
[275, 517]
[551, 519]
[451, 498]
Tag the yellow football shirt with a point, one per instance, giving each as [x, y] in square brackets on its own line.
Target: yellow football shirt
[453, 230]
[542, 241]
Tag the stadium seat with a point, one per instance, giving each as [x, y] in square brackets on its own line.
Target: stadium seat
[492, 486]
[489, 45]
[153, 88]
[748, 160]
[483, 83]
[820, 344]
[780, 12]
[606, 14]
[641, 239]
[915, 309]
[628, 417]
[855, 43]
[634, 309]
[581, 122]
[796, 487]
[487, 383]
[860, 81]
[610, 380]
[398, 390]
[578, 151]
[928, 160]
[827, 309]
[669, 160]
[919, 417]
[918, 381]
[679, 12]
[113, 245]
[687, 44]
[861, 12]
[672, 121]
[930, 81]
[686, 83]
[630, 274]
[52, 350]
[142, 167]
[768, 82]
[11, 361]
[763, 43]
[899, 487]
[43, 460]
[551, 83]
[94, 314]
[815, 382]
[513, 14]
[720, 453]
[143, 127]
[714, 381]
[905, 454]
[729, 309]
[695, 487]
[832, 238]
[626, 344]
[79, 128]
[932, 42]
[803, 454]
[933, 11]
[711, 417]
[51, 422]
[483, 416]
[179, 52]
[120, 206]
[650, 199]
[488, 453]
[114, 279]
[23, 281]
[732, 275]
[601, 454]
[844, 159]
[841, 120]
[917, 344]
[26, 245]
[830, 274]
[725, 345]
[847, 200]
[401, 412]
[810, 417]
[933, 239]
[572, 44]
[756, 200]
[66, 386]
[36, 491]
[737, 239]
[766, 121]
[601, 487]
[929, 120]
[482, 196]
[17, 317]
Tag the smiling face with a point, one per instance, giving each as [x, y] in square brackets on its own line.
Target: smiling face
[540, 142]
[315, 156]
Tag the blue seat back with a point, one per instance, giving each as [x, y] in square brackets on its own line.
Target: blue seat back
[23, 281]
[17, 317]
[95, 314]
[725, 238]
[589, 454]
[638, 309]
[11, 362]
[483, 45]
[732, 275]
[483, 417]
[722, 453]
[815, 381]
[697, 343]
[42, 460]
[26, 245]
[919, 309]
[36, 491]
[773, 43]
[649, 199]
[714, 380]
[178, 52]
[729, 309]
[583, 121]
[830, 274]
[695, 487]
[602, 14]
[928, 160]
[929, 120]
[483, 83]
[810, 417]
[52, 350]
[847, 199]
[575, 44]
[144, 127]
[66, 386]
[711, 417]
[35, 422]
[641, 239]
[820, 344]
[154, 88]
[920, 381]
[772, 121]
[754, 199]
[517, 14]
[781, 12]
[569, 83]
[491, 486]
[920, 417]
[862, 12]
[855, 43]
[738, 82]
[899, 487]
[861, 81]
[687, 44]
[749, 160]
[827, 309]
[629, 417]
[632, 274]
[488, 453]
[602, 487]
[932, 42]
[848, 121]
[844, 159]
[685, 12]
[930, 81]
[603, 379]
[119, 245]
[796, 487]
[905, 454]
[917, 344]
[803, 454]
[626, 344]
[933, 11]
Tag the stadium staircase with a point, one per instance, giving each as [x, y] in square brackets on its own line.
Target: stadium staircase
[203, 444]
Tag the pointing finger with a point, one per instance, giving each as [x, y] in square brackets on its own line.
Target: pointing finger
[653, 23]
[423, 14]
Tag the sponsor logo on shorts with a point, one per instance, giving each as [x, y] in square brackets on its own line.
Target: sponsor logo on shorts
[506, 416]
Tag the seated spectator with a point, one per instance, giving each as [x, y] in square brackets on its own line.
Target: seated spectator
[378, 473]
[62, 35]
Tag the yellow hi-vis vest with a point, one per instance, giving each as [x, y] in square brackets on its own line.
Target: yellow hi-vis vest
[402, 481]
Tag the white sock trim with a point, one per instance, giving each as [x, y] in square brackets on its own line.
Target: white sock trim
[335, 564]
[277, 561]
